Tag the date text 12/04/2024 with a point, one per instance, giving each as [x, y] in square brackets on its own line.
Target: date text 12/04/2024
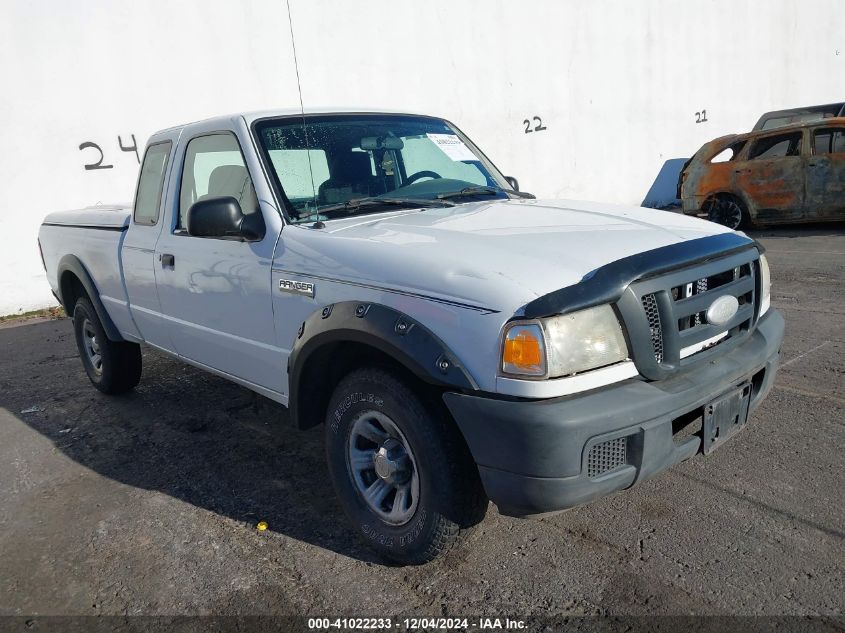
[413, 624]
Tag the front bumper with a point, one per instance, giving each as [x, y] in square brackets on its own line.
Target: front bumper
[532, 455]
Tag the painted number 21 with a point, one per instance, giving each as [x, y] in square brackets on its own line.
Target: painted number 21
[701, 117]
[537, 127]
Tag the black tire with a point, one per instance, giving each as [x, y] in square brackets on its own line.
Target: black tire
[113, 367]
[450, 498]
[729, 212]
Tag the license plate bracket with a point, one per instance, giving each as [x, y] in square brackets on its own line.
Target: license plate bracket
[725, 416]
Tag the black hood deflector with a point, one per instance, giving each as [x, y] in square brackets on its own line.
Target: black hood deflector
[606, 284]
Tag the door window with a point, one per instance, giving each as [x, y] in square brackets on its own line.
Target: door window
[776, 146]
[214, 167]
[150, 183]
[829, 141]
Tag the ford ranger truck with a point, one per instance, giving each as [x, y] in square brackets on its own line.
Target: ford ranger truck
[460, 341]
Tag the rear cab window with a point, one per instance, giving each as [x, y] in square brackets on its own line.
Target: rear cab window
[151, 183]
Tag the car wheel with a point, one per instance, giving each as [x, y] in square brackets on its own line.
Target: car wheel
[113, 367]
[728, 212]
[402, 472]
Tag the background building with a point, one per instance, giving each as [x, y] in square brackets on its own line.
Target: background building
[576, 99]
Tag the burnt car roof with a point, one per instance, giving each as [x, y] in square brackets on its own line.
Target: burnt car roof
[816, 111]
[728, 138]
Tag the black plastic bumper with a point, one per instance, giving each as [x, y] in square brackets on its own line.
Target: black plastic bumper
[532, 455]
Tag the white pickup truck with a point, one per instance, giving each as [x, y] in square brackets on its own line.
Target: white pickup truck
[460, 340]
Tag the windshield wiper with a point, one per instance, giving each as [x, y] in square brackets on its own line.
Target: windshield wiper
[352, 206]
[484, 191]
[520, 194]
[470, 191]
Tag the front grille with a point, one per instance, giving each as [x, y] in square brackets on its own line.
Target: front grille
[606, 456]
[701, 286]
[655, 330]
[666, 314]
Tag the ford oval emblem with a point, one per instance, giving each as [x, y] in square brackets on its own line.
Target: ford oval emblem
[722, 310]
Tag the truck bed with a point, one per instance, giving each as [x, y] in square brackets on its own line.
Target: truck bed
[99, 216]
[93, 236]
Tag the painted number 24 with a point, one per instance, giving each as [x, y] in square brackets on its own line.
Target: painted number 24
[538, 127]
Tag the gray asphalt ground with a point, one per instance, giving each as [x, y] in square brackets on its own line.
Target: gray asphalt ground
[147, 504]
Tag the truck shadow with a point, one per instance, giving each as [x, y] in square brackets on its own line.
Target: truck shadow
[182, 432]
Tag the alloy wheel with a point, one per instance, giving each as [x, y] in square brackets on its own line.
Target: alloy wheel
[383, 468]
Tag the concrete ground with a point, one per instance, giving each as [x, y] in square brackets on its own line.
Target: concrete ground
[147, 504]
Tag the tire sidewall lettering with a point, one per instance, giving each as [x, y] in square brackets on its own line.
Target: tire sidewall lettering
[374, 534]
[348, 402]
[386, 540]
[415, 531]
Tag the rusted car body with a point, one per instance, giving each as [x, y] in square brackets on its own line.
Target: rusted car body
[794, 173]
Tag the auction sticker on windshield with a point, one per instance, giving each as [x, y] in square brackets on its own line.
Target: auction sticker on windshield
[452, 146]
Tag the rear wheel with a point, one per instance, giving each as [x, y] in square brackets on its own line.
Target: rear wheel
[728, 212]
[113, 367]
[401, 471]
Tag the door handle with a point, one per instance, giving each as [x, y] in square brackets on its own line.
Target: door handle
[167, 260]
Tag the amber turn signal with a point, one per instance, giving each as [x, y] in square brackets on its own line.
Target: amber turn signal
[523, 351]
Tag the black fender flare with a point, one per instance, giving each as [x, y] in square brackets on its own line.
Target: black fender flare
[395, 334]
[71, 263]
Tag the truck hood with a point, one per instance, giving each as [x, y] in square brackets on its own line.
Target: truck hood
[496, 254]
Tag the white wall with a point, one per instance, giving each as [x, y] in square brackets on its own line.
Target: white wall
[617, 85]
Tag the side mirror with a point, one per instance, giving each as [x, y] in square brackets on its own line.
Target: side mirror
[223, 218]
[513, 182]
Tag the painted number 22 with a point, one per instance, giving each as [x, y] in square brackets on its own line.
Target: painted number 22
[701, 117]
[537, 127]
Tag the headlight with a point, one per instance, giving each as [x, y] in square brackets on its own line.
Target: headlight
[564, 345]
[765, 285]
[584, 340]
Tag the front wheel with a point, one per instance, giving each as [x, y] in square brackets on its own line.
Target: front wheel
[112, 366]
[403, 474]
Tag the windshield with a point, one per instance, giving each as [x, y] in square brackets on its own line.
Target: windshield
[337, 165]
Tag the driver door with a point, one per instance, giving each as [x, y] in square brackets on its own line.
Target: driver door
[215, 293]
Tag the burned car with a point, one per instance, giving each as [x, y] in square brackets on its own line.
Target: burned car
[795, 173]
